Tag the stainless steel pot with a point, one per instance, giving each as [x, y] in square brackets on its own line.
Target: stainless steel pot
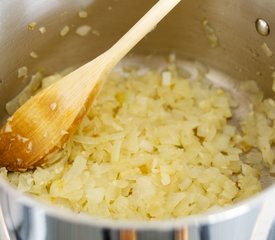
[238, 56]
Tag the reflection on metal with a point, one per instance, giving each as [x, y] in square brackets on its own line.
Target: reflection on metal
[128, 235]
[182, 234]
[4, 234]
[262, 27]
[264, 221]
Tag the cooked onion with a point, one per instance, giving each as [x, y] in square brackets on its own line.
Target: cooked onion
[157, 146]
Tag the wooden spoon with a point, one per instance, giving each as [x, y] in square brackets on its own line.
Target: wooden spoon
[44, 123]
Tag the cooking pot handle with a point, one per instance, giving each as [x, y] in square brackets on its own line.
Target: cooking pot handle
[128, 235]
[181, 234]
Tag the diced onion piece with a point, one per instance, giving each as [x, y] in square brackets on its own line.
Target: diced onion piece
[32, 25]
[83, 30]
[210, 33]
[83, 14]
[267, 51]
[8, 128]
[22, 72]
[33, 54]
[42, 30]
[64, 31]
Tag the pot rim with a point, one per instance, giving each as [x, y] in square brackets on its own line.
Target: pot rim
[222, 214]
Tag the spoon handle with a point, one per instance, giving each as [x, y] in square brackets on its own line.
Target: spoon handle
[145, 25]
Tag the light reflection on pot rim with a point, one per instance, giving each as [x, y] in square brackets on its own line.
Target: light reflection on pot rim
[57, 213]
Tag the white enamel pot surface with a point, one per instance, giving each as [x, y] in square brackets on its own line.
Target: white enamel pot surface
[239, 56]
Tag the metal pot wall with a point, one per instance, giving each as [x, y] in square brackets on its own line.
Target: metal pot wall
[239, 56]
